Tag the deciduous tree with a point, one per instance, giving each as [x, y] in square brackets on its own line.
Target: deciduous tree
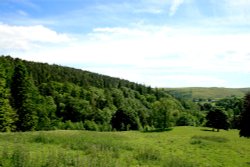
[217, 119]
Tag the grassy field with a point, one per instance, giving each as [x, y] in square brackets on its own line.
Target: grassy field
[211, 93]
[179, 147]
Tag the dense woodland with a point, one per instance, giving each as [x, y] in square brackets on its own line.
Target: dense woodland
[39, 96]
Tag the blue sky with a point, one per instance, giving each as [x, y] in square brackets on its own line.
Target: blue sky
[162, 43]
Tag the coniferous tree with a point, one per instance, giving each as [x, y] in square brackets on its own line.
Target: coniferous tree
[245, 118]
[68, 96]
[24, 96]
[7, 114]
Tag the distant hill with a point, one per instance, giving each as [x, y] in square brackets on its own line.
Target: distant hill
[206, 93]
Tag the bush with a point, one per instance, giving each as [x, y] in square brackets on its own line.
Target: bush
[90, 125]
[68, 125]
[185, 120]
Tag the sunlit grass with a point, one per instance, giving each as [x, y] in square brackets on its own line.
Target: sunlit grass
[180, 147]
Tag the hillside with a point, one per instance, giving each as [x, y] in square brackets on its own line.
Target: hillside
[39, 96]
[207, 93]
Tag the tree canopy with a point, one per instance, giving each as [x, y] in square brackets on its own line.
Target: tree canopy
[217, 119]
[44, 97]
[245, 118]
[39, 96]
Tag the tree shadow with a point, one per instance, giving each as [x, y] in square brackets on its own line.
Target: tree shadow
[208, 130]
[157, 130]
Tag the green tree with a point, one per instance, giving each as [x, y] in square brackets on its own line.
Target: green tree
[70, 96]
[125, 120]
[245, 118]
[186, 120]
[164, 112]
[24, 94]
[7, 114]
[233, 106]
[46, 112]
[217, 119]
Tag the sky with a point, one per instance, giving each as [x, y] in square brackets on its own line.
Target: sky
[159, 43]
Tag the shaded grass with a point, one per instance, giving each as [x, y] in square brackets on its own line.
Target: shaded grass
[157, 130]
[174, 161]
[210, 138]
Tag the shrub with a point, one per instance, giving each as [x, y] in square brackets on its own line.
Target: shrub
[90, 125]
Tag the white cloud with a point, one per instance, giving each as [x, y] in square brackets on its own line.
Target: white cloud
[229, 13]
[154, 55]
[27, 37]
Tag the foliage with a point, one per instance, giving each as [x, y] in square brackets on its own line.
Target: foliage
[24, 94]
[217, 119]
[186, 120]
[245, 118]
[47, 97]
[7, 114]
[164, 112]
[38, 96]
[124, 120]
[233, 106]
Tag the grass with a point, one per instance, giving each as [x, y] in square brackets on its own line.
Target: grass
[210, 93]
[180, 147]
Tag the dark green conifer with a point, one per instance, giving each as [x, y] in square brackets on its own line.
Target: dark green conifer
[7, 114]
[245, 118]
[24, 94]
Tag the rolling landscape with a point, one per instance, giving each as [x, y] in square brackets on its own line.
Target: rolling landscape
[124, 83]
[69, 117]
[206, 93]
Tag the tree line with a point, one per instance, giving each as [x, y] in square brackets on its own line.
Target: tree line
[39, 96]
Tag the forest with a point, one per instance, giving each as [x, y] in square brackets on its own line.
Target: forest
[39, 96]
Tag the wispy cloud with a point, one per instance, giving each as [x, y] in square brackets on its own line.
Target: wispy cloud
[174, 7]
[27, 3]
[22, 13]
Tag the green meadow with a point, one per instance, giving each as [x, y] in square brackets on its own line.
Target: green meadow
[177, 147]
[209, 93]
